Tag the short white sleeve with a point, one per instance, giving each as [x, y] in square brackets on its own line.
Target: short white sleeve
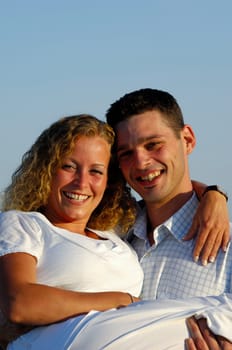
[19, 233]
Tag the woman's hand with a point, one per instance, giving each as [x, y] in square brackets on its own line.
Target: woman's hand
[211, 224]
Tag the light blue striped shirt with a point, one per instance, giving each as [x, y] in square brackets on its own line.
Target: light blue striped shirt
[168, 265]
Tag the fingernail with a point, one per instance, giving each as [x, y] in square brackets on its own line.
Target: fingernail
[196, 258]
[204, 262]
[211, 259]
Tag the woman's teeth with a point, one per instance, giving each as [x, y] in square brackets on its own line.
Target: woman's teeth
[78, 197]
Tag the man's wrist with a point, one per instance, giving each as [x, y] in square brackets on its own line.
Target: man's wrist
[217, 189]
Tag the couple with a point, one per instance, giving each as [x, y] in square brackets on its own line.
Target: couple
[61, 259]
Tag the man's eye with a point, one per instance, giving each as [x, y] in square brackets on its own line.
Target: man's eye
[150, 146]
[125, 154]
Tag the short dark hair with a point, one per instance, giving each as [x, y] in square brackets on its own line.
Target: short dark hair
[140, 101]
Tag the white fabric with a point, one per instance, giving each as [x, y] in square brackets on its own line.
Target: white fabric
[98, 265]
[68, 260]
[158, 325]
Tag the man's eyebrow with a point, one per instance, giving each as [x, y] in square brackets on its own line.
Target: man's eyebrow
[139, 141]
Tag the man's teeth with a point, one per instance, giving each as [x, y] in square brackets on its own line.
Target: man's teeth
[78, 197]
[151, 176]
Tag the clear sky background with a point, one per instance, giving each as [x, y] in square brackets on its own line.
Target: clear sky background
[68, 57]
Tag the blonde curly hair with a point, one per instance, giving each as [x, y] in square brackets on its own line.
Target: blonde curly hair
[30, 185]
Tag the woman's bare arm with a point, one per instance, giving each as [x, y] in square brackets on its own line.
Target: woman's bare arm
[210, 223]
[23, 301]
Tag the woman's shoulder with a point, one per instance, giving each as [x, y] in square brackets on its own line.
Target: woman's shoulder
[32, 223]
[20, 232]
[21, 216]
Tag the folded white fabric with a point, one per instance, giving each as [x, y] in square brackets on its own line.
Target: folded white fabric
[158, 325]
[219, 318]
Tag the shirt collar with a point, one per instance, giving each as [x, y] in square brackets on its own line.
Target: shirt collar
[178, 224]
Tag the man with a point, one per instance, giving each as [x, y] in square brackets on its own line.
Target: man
[153, 145]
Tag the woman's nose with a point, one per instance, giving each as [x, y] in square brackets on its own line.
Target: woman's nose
[80, 178]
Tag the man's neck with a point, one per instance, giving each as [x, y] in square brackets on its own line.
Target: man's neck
[158, 213]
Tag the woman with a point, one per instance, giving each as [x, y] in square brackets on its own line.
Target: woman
[56, 193]
[59, 257]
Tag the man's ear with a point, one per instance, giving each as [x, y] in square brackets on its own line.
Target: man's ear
[189, 138]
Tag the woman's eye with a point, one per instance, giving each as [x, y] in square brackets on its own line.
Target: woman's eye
[69, 167]
[96, 171]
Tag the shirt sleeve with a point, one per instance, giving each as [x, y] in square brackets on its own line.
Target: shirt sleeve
[19, 232]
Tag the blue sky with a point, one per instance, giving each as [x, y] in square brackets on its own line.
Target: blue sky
[68, 57]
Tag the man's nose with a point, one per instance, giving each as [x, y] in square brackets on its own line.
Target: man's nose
[141, 159]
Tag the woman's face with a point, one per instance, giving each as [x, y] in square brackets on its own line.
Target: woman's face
[79, 184]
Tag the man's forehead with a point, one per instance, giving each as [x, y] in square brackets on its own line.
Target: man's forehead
[141, 128]
[134, 140]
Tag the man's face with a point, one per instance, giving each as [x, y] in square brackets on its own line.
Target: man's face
[152, 158]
